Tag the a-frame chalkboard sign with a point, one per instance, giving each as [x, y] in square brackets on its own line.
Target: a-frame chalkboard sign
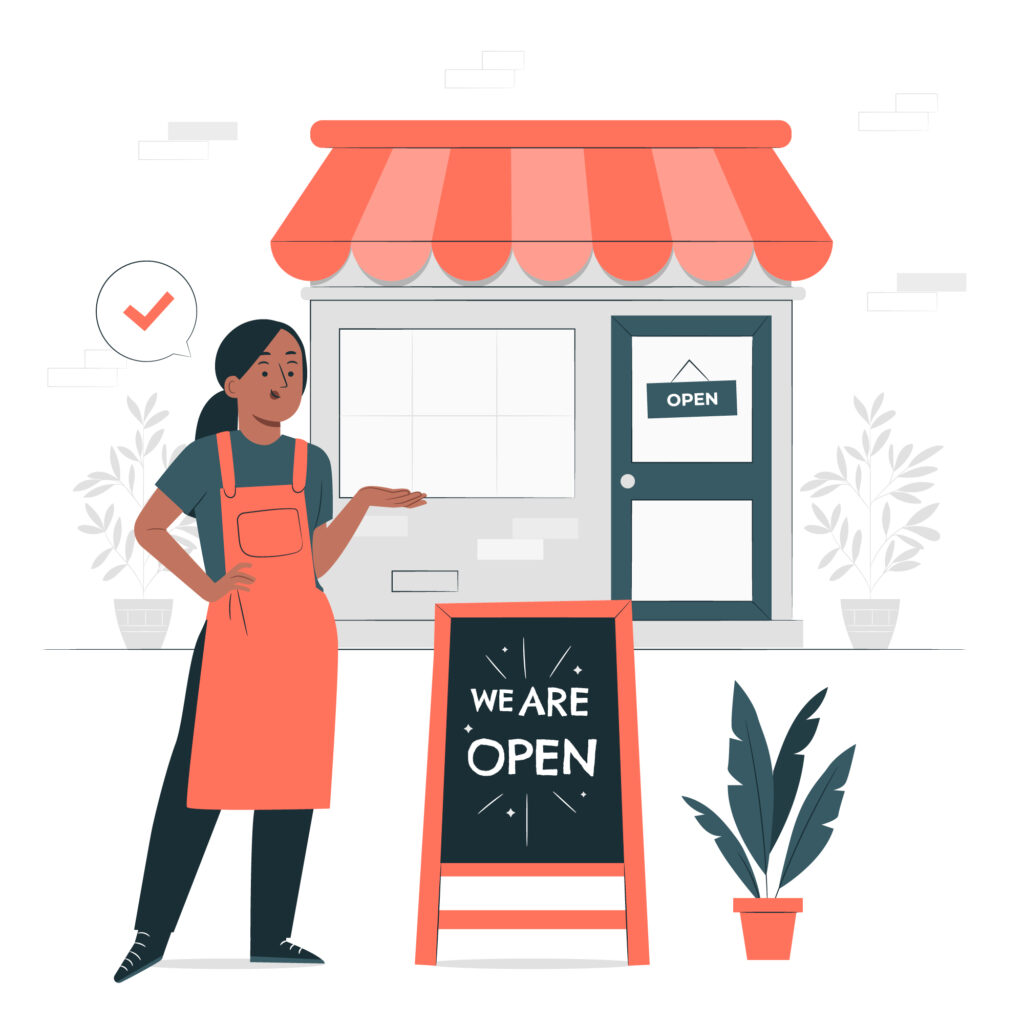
[533, 765]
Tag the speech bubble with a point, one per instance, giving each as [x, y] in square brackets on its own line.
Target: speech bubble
[146, 311]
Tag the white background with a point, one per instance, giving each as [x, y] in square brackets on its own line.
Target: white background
[912, 911]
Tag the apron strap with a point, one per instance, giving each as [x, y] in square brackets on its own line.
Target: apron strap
[227, 465]
[299, 472]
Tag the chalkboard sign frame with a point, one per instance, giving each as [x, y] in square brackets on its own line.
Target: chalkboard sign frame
[634, 918]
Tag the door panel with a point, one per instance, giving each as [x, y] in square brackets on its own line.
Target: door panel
[691, 466]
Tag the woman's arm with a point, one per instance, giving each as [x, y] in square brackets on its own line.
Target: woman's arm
[153, 536]
[330, 539]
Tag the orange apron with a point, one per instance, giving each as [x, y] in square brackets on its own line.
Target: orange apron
[264, 728]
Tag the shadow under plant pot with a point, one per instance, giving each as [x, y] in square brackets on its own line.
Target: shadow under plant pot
[870, 621]
[143, 621]
[768, 926]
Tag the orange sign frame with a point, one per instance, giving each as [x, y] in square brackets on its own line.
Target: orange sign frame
[634, 918]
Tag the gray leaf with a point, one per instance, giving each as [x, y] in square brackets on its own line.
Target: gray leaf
[99, 529]
[888, 552]
[864, 441]
[154, 441]
[115, 465]
[841, 462]
[810, 485]
[117, 532]
[157, 418]
[884, 418]
[841, 571]
[129, 545]
[149, 405]
[861, 411]
[98, 490]
[131, 478]
[891, 457]
[127, 453]
[94, 516]
[809, 529]
[858, 478]
[828, 558]
[908, 498]
[854, 453]
[902, 457]
[926, 454]
[821, 517]
[911, 488]
[904, 555]
[108, 516]
[83, 485]
[836, 513]
[920, 471]
[844, 533]
[876, 405]
[880, 441]
[177, 451]
[111, 573]
[886, 518]
[903, 566]
[134, 410]
[925, 531]
[922, 514]
[138, 441]
[855, 547]
[829, 476]
[101, 557]
[825, 490]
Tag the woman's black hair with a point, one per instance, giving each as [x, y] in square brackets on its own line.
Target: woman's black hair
[237, 353]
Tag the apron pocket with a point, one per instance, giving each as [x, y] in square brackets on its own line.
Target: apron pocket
[270, 532]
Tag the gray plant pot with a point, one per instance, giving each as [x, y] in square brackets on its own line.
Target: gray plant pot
[143, 621]
[870, 621]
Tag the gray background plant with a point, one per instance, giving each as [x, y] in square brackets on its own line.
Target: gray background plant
[133, 471]
[875, 498]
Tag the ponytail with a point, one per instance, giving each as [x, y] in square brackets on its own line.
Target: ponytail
[235, 356]
[220, 413]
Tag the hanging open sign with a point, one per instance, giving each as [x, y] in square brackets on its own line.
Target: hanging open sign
[691, 397]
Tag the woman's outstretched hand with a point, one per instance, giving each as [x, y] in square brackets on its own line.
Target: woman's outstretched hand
[390, 497]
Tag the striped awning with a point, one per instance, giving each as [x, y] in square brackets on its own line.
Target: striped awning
[472, 193]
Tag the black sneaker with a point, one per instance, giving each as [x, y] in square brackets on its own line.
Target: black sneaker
[146, 950]
[285, 952]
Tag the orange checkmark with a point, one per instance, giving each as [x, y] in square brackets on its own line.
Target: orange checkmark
[145, 321]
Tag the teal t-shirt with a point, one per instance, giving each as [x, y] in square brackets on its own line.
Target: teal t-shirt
[192, 481]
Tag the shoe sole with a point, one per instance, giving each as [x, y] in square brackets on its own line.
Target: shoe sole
[135, 974]
[283, 960]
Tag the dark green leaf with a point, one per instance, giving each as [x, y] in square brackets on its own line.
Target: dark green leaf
[789, 765]
[750, 765]
[727, 843]
[811, 831]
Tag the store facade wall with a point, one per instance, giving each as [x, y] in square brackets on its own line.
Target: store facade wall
[523, 547]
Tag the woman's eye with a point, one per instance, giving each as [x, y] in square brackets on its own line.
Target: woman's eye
[291, 373]
[265, 373]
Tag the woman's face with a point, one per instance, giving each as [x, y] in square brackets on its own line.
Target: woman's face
[271, 389]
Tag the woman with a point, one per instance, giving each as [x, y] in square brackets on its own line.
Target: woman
[257, 729]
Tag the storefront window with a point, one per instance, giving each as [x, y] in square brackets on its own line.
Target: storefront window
[458, 413]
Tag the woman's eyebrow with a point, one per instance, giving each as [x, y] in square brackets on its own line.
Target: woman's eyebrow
[291, 353]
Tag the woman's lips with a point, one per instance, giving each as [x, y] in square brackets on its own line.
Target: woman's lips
[274, 394]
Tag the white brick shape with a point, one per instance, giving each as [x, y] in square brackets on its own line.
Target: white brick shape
[478, 78]
[504, 549]
[532, 892]
[891, 121]
[546, 529]
[917, 102]
[505, 60]
[163, 149]
[931, 282]
[902, 302]
[200, 130]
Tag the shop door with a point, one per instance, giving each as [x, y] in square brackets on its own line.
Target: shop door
[691, 466]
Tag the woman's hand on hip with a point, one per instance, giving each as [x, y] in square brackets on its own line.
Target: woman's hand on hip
[234, 579]
[390, 497]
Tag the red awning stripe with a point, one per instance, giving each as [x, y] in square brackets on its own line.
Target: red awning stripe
[473, 229]
[629, 228]
[711, 192]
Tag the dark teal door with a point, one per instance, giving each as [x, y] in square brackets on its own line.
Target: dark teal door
[691, 466]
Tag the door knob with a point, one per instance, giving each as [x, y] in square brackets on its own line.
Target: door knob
[627, 480]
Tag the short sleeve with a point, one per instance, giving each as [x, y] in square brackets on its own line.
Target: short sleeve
[192, 475]
[319, 476]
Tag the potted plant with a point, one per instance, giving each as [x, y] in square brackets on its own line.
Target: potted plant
[868, 532]
[143, 620]
[761, 799]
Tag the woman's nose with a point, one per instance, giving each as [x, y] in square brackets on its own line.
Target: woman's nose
[284, 376]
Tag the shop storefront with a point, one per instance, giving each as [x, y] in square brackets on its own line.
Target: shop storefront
[576, 337]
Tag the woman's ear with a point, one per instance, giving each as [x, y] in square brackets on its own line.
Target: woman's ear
[231, 387]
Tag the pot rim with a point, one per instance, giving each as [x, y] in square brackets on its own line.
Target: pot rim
[767, 905]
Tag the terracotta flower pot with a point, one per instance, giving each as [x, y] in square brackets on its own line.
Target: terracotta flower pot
[768, 926]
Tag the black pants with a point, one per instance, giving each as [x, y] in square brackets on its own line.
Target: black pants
[180, 835]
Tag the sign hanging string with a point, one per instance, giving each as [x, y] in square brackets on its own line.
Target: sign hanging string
[690, 362]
